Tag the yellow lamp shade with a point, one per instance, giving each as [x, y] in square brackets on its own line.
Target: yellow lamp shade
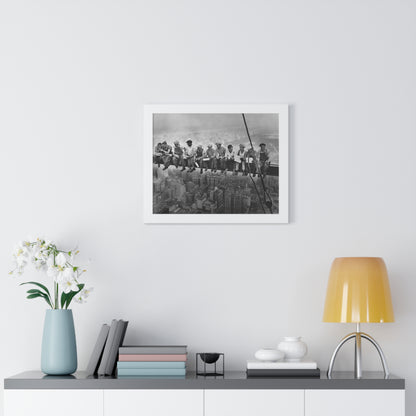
[358, 291]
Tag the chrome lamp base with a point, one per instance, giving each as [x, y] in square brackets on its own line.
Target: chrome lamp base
[358, 336]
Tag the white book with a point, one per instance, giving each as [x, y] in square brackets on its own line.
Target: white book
[281, 365]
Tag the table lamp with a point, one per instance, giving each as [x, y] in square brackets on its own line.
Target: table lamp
[358, 292]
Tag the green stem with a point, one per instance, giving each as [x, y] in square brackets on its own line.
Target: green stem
[56, 296]
[55, 286]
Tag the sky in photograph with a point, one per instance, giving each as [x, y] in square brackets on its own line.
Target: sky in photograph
[224, 128]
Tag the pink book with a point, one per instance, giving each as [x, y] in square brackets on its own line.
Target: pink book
[152, 357]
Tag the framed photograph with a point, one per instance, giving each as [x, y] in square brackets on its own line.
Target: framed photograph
[216, 164]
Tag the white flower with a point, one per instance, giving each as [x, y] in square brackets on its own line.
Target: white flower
[72, 255]
[79, 298]
[44, 255]
[22, 249]
[40, 257]
[82, 295]
[52, 272]
[69, 273]
[69, 285]
[21, 260]
[40, 252]
[87, 292]
[21, 257]
[58, 271]
[60, 260]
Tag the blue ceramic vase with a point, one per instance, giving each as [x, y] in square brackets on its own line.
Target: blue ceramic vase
[59, 348]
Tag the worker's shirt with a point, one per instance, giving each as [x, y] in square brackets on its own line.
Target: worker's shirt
[167, 149]
[220, 152]
[230, 155]
[178, 150]
[210, 152]
[241, 154]
[264, 156]
[251, 156]
[189, 151]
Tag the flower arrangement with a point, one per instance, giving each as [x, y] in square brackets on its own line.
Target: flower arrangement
[59, 265]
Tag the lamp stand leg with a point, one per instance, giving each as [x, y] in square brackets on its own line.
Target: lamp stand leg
[357, 362]
[358, 336]
[380, 353]
[334, 354]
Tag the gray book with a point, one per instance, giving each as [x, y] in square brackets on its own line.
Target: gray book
[97, 352]
[284, 373]
[153, 349]
[116, 344]
[107, 348]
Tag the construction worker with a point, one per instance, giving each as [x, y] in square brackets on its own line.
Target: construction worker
[166, 154]
[209, 159]
[157, 157]
[251, 162]
[199, 155]
[264, 159]
[230, 157]
[189, 156]
[240, 163]
[219, 161]
[177, 154]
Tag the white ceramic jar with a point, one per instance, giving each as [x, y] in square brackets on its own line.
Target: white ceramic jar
[293, 348]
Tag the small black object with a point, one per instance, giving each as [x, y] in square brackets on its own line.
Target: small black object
[209, 357]
[210, 364]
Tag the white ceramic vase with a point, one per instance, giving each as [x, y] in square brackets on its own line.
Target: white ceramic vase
[293, 348]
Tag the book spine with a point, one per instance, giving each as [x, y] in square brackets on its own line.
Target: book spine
[150, 364]
[281, 366]
[283, 373]
[98, 350]
[117, 341]
[112, 358]
[152, 357]
[151, 372]
[107, 348]
[125, 324]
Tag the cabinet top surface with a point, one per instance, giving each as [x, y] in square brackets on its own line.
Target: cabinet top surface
[231, 380]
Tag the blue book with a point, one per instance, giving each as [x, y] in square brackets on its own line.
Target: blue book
[151, 372]
[150, 364]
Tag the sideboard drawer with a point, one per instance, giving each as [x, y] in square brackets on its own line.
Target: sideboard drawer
[47, 402]
[354, 402]
[153, 402]
[254, 402]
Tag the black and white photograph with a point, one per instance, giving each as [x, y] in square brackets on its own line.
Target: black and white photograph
[218, 165]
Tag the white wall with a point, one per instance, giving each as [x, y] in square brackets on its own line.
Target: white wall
[74, 76]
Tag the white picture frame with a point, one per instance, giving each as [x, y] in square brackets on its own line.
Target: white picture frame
[152, 112]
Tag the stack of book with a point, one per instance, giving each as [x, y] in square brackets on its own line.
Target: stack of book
[284, 369]
[152, 361]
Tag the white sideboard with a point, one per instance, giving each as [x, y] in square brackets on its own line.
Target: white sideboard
[254, 402]
[354, 402]
[235, 395]
[153, 402]
[59, 402]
